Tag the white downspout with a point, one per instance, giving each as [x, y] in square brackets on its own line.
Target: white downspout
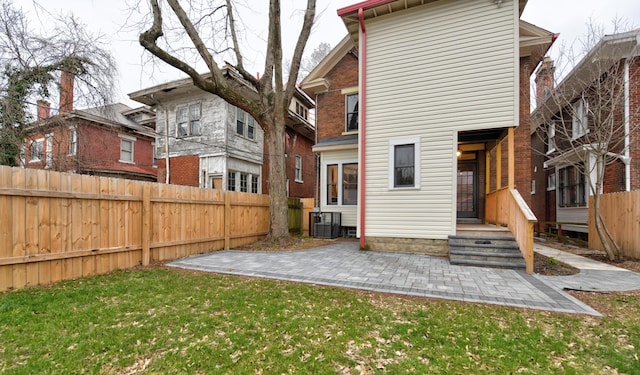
[627, 141]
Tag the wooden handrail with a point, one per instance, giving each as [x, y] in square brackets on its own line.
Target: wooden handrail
[507, 207]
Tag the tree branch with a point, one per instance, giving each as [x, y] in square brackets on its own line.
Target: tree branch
[236, 48]
[309, 16]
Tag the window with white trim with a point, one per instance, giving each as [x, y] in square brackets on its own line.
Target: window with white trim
[351, 118]
[48, 150]
[551, 181]
[298, 176]
[342, 184]
[231, 181]
[580, 119]
[404, 161]
[572, 187]
[551, 138]
[188, 119]
[36, 149]
[254, 184]
[245, 124]
[243, 182]
[126, 148]
[533, 186]
[73, 140]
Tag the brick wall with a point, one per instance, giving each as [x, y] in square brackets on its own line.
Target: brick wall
[183, 170]
[522, 135]
[295, 144]
[331, 104]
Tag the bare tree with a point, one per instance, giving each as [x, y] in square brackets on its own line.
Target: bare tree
[31, 64]
[586, 122]
[266, 98]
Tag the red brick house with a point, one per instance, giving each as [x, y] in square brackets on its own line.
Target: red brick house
[300, 160]
[605, 85]
[111, 140]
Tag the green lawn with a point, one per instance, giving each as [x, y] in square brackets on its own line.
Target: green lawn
[162, 320]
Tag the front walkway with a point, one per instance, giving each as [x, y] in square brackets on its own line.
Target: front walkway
[342, 264]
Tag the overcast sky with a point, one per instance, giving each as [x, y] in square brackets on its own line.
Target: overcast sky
[113, 19]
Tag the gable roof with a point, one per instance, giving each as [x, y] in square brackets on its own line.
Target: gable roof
[315, 82]
[609, 50]
[109, 115]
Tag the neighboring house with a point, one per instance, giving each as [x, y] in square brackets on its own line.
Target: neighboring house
[334, 83]
[606, 81]
[300, 160]
[205, 141]
[440, 85]
[104, 141]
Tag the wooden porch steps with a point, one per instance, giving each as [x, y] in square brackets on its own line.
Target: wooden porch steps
[485, 250]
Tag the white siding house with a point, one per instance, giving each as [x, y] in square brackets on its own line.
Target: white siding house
[428, 72]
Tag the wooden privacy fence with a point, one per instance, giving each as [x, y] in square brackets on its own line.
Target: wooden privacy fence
[56, 226]
[621, 212]
[295, 215]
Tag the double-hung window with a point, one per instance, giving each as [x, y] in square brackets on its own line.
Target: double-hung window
[580, 119]
[245, 124]
[126, 148]
[404, 162]
[298, 176]
[551, 138]
[231, 181]
[48, 152]
[188, 120]
[73, 140]
[36, 150]
[572, 187]
[351, 103]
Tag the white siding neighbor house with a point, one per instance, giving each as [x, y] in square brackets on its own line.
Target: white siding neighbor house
[202, 140]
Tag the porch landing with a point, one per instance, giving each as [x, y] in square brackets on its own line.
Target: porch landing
[485, 246]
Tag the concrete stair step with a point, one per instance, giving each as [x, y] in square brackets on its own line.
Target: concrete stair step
[483, 240]
[487, 263]
[487, 248]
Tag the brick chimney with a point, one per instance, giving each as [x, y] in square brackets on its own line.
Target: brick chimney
[66, 90]
[44, 109]
[544, 79]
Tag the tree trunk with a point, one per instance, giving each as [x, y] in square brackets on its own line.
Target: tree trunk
[279, 207]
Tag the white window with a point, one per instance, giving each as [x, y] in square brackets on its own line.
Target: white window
[551, 138]
[245, 124]
[36, 150]
[404, 162]
[580, 119]
[23, 155]
[342, 184]
[298, 168]
[73, 140]
[244, 186]
[533, 186]
[254, 184]
[188, 120]
[351, 105]
[231, 181]
[551, 181]
[126, 148]
[302, 111]
[48, 151]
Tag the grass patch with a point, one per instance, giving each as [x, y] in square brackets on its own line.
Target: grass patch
[160, 320]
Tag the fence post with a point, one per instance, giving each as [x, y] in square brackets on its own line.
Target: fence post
[227, 220]
[146, 223]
